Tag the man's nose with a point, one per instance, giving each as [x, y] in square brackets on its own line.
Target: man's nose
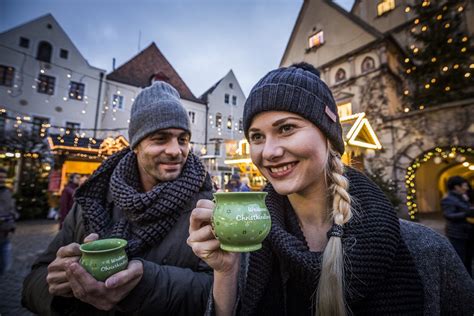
[173, 148]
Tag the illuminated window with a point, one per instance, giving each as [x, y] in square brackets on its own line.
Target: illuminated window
[46, 84]
[229, 122]
[385, 6]
[367, 64]
[316, 40]
[39, 126]
[344, 109]
[73, 127]
[340, 75]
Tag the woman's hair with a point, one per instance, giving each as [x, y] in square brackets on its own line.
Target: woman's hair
[330, 298]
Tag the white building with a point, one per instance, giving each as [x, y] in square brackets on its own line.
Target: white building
[44, 79]
[225, 101]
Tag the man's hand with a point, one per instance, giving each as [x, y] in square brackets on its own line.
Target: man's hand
[57, 280]
[104, 296]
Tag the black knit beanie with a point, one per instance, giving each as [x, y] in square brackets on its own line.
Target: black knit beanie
[300, 90]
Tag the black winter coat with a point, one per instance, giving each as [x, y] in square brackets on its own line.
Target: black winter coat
[174, 282]
[455, 210]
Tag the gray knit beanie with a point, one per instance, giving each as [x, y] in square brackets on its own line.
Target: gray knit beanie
[156, 107]
[300, 90]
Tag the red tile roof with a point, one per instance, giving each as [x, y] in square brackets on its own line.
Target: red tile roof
[149, 63]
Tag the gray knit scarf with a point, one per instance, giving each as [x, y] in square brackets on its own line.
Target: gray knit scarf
[148, 216]
[381, 277]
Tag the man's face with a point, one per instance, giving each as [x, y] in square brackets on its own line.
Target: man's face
[76, 179]
[161, 156]
[461, 189]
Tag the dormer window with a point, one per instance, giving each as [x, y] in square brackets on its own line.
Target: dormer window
[368, 64]
[44, 52]
[385, 6]
[316, 40]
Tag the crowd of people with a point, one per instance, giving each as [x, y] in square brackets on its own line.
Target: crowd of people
[336, 245]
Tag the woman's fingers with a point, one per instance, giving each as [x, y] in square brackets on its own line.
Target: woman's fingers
[205, 204]
[202, 234]
[205, 249]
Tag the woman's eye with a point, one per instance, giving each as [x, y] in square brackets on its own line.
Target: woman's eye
[255, 137]
[286, 128]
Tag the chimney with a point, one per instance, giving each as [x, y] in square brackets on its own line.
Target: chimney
[113, 64]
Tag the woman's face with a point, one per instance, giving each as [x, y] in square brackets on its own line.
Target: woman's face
[290, 151]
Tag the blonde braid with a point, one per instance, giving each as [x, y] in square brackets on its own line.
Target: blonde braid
[330, 298]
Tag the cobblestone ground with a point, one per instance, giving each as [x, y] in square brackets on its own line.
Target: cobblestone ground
[30, 239]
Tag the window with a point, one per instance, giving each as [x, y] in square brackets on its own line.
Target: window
[217, 149]
[367, 64]
[24, 42]
[63, 53]
[234, 100]
[3, 121]
[229, 122]
[241, 125]
[340, 75]
[7, 74]
[117, 102]
[44, 52]
[231, 85]
[218, 120]
[46, 84]
[73, 127]
[385, 6]
[316, 40]
[40, 126]
[192, 116]
[226, 98]
[344, 109]
[76, 90]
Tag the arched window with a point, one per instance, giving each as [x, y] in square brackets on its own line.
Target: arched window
[44, 52]
[229, 122]
[340, 75]
[218, 120]
[368, 64]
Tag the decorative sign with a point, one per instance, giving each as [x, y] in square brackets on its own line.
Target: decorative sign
[316, 40]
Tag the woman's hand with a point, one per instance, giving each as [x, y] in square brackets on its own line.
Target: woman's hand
[204, 244]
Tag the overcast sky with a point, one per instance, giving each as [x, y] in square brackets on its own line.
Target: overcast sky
[201, 39]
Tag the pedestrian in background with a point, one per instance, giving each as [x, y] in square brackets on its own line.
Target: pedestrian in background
[233, 185]
[8, 215]
[244, 187]
[336, 245]
[456, 209]
[145, 194]
[67, 197]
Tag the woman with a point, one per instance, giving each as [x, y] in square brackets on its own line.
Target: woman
[336, 246]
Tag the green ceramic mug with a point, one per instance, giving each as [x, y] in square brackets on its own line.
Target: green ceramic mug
[240, 220]
[104, 257]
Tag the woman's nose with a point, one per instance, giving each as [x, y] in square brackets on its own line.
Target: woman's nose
[272, 150]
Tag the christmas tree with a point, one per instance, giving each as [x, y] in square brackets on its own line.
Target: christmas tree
[440, 63]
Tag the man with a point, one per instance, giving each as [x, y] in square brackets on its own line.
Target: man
[456, 209]
[67, 197]
[144, 195]
[7, 223]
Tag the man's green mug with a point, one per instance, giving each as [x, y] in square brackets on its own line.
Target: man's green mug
[240, 220]
[104, 257]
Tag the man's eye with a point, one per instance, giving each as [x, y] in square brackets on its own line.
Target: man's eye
[184, 140]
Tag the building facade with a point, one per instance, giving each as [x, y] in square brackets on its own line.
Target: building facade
[360, 55]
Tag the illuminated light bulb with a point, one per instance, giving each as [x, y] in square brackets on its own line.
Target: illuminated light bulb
[450, 40]
[445, 68]
[424, 28]
[83, 111]
[407, 110]
[471, 167]
[42, 71]
[65, 98]
[465, 164]
[417, 21]
[413, 30]
[422, 107]
[447, 88]
[456, 66]
[415, 50]
[427, 86]
[407, 60]
[464, 39]
[408, 71]
[69, 75]
[406, 92]
[460, 9]
[439, 17]
[433, 59]
[463, 50]
[467, 74]
[471, 66]
[447, 25]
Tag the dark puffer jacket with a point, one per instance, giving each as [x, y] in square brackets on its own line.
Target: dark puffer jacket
[455, 210]
[174, 282]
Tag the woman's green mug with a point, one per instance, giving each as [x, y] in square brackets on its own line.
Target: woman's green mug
[240, 220]
[104, 257]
